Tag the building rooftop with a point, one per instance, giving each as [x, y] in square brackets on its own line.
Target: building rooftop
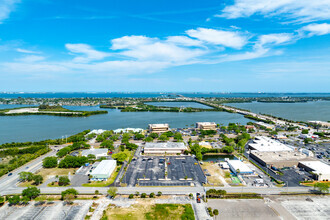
[317, 166]
[239, 165]
[104, 167]
[262, 143]
[206, 123]
[158, 125]
[165, 145]
[280, 156]
[125, 130]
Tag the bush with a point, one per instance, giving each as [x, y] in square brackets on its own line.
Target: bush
[131, 196]
[31, 192]
[159, 193]
[69, 191]
[143, 195]
[63, 181]
[49, 162]
[152, 195]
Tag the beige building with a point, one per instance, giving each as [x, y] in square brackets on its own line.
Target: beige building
[158, 128]
[279, 159]
[320, 170]
[206, 125]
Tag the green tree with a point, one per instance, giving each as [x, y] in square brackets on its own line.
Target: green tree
[163, 137]
[91, 157]
[178, 136]
[143, 195]
[49, 162]
[37, 179]
[322, 187]
[153, 135]
[63, 181]
[69, 191]
[112, 191]
[2, 200]
[131, 196]
[31, 192]
[304, 131]
[25, 176]
[138, 136]
[13, 200]
[215, 212]
[148, 139]
[120, 157]
[159, 193]
[107, 144]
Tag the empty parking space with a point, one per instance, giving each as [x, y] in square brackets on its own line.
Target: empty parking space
[164, 171]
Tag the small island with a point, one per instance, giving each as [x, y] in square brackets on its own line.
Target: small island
[55, 110]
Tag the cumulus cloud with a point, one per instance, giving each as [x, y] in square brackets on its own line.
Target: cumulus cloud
[6, 7]
[274, 39]
[295, 10]
[27, 51]
[315, 29]
[218, 37]
[88, 53]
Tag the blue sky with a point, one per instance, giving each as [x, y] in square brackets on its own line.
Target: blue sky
[191, 46]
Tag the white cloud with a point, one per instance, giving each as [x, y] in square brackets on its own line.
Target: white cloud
[27, 51]
[183, 40]
[296, 10]
[6, 7]
[315, 29]
[218, 37]
[274, 39]
[154, 49]
[89, 54]
[31, 58]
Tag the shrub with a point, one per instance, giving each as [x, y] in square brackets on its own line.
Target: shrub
[143, 195]
[131, 196]
[152, 195]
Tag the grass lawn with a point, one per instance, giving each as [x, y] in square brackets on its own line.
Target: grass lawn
[312, 184]
[146, 210]
[47, 173]
[104, 183]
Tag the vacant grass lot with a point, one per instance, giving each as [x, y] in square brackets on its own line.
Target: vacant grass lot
[47, 173]
[149, 211]
[215, 172]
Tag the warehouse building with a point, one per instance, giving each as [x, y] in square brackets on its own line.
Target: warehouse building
[103, 170]
[158, 128]
[321, 171]
[264, 144]
[101, 152]
[238, 167]
[279, 159]
[167, 147]
[206, 125]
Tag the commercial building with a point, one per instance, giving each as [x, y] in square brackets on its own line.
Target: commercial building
[158, 128]
[103, 170]
[167, 147]
[263, 144]
[279, 159]
[101, 152]
[237, 166]
[206, 125]
[321, 171]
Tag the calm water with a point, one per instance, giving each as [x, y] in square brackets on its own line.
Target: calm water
[179, 104]
[318, 110]
[40, 127]
[216, 158]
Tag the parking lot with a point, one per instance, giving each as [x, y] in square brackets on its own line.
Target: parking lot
[151, 170]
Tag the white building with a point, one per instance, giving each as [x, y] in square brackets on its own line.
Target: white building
[126, 130]
[262, 143]
[103, 170]
[168, 147]
[237, 165]
[100, 152]
[321, 170]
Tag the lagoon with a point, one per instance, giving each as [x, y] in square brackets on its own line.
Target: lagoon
[40, 127]
[300, 111]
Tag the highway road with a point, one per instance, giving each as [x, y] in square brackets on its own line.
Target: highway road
[167, 190]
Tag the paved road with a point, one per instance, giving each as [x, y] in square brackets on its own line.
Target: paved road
[167, 190]
[9, 182]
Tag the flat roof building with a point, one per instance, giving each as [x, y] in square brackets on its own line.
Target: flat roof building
[206, 125]
[321, 171]
[103, 170]
[279, 159]
[263, 144]
[238, 167]
[100, 152]
[168, 147]
[158, 128]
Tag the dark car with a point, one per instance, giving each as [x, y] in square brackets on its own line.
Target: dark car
[10, 174]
